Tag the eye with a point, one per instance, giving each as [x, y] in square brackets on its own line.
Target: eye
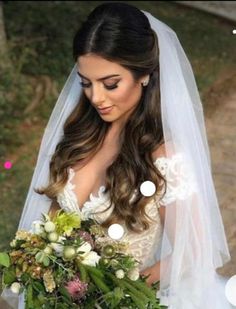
[107, 87]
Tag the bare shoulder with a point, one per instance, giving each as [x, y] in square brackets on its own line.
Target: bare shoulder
[160, 151]
[165, 149]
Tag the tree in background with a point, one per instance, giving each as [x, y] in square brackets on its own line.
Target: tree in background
[4, 52]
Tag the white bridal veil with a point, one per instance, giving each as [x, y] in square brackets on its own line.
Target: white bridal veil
[194, 243]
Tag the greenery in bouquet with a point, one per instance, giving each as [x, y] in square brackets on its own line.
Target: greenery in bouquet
[64, 262]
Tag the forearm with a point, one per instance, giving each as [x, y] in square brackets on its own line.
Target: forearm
[156, 269]
[153, 272]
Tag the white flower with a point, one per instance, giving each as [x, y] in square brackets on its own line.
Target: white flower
[53, 236]
[91, 258]
[120, 273]
[133, 274]
[49, 227]
[58, 246]
[37, 227]
[85, 248]
[13, 243]
[87, 256]
[15, 287]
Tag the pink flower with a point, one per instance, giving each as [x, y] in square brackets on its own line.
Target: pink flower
[76, 288]
[87, 237]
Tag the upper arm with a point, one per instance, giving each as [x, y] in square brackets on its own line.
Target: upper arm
[160, 151]
[162, 212]
[180, 180]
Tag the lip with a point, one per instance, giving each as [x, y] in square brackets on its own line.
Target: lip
[105, 110]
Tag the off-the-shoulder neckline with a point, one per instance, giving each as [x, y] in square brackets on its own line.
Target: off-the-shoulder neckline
[100, 192]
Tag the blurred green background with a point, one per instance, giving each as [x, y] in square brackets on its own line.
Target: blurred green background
[39, 37]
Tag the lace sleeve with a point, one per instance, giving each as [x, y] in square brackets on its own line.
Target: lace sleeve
[180, 182]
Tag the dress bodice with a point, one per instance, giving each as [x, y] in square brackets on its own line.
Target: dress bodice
[144, 245]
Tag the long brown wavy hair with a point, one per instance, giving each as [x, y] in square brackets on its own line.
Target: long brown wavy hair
[121, 33]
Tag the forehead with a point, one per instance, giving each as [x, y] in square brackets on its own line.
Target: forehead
[94, 66]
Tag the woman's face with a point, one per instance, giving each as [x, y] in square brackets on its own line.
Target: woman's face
[119, 92]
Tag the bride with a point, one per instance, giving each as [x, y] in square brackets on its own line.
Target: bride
[126, 143]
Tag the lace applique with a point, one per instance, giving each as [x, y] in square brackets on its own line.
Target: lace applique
[68, 201]
[180, 185]
[142, 246]
[67, 198]
[180, 180]
[98, 203]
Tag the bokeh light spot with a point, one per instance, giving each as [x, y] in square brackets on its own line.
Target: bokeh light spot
[7, 164]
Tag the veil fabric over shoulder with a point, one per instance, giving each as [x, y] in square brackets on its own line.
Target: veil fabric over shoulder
[194, 243]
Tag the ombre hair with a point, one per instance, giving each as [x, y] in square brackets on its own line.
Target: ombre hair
[120, 33]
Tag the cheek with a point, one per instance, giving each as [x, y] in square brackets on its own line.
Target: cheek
[126, 97]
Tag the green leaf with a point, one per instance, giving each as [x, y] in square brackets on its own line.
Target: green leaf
[83, 272]
[62, 306]
[138, 302]
[94, 270]
[29, 297]
[118, 293]
[4, 259]
[41, 298]
[114, 297]
[9, 276]
[46, 261]
[143, 288]
[38, 286]
[25, 277]
[67, 302]
[64, 293]
[40, 257]
[135, 294]
[99, 283]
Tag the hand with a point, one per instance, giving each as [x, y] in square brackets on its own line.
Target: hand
[153, 272]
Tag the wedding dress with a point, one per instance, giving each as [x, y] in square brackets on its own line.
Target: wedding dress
[143, 246]
[180, 185]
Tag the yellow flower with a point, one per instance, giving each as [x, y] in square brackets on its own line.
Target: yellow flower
[48, 281]
[13, 243]
[97, 230]
[22, 235]
[35, 271]
[123, 246]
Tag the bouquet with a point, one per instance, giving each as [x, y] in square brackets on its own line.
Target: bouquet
[64, 262]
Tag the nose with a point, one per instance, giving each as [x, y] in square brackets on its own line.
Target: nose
[97, 96]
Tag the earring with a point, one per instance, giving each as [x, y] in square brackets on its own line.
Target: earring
[144, 83]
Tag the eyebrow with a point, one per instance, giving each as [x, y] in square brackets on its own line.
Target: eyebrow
[102, 78]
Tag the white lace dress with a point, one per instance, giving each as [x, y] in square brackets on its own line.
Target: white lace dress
[143, 246]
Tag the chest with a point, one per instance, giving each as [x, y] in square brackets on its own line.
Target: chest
[90, 176]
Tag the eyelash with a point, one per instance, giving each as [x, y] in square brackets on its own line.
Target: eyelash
[107, 87]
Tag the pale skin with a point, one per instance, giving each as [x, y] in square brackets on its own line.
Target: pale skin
[123, 99]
